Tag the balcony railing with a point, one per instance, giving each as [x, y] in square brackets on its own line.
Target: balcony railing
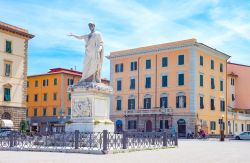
[239, 116]
[143, 111]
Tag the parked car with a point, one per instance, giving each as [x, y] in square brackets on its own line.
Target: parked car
[243, 136]
[6, 133]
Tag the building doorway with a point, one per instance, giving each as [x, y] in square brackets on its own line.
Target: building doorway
[181, 128]
[118, 126]
[149, 126]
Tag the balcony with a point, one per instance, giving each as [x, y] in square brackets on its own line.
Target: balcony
[155, 111]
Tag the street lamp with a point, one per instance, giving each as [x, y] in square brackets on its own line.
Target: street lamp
[222, 128]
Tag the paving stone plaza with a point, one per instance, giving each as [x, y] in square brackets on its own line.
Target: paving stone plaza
[193, 151]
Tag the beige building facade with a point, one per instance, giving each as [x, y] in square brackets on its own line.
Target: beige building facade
[13, 73]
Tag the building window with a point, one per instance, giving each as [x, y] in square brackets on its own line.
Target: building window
[131, 104]
[181, 79]
[164, 124]
[181, 60]
[55, 81]
[28, 84]
[7, 69]
[201, 60]
[27, 98]
[132, 84]
[233, 98]
[69, 111]
[148, 82]
[212, 83]
[221, 85]
[232, 81]
[221, 67]
[133, 66]
[36, 97]
[164, 102]
[119, 67]
[181, 101]
[54, 111]
[201, 102]
[212, 64]
[248, 127]
[35, 112]
[44, 111]
[119, 85]
[8, 48]
[222, 105]
[69, 96]
[45, 96]
[118, 104]
[212, 104]
[164, 62]
[201, 80]
[7, 96]
[132, 124]
[70, 81]
[147, 103]
[164, 81]
[45, 82]
[54, 96]
[36, 83]
[212, 125]
[148, 64]
[242, 127]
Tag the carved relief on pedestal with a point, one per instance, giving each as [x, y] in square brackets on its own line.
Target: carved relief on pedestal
[81, 107]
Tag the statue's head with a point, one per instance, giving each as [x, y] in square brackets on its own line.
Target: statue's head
[92, 26]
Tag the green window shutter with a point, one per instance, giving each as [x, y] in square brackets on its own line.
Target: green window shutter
[164, 81]
[181, 60]
[7, 70]
[221, 85]
[6, 94]
[201, 80]
[8, 47]
[181, 79]
[54, 111]
[69, 111]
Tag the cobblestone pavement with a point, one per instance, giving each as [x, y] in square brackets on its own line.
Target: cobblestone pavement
[189, 151]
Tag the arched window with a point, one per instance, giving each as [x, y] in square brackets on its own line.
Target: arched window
[118, 103]
[147, 101]
[6, 115]
[131, 102]
[181, 100]
[164, 100]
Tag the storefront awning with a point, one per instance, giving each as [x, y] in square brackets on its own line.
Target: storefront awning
[6, 123]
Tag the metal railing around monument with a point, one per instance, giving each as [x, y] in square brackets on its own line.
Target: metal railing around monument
[87, 142]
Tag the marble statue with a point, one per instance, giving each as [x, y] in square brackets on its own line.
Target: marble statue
[92, 64]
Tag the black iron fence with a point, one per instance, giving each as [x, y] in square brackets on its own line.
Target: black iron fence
[88, 142]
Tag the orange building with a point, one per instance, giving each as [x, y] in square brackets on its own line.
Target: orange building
[179, 85]
[48, 102]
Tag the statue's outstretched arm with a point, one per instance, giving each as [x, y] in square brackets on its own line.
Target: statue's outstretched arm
[79, 37]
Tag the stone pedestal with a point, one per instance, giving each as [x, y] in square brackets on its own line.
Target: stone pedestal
[90, 105]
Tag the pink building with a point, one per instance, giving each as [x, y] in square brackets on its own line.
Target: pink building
[238, 98]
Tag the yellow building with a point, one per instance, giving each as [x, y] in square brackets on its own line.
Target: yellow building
[49, 103]
[179, 85]
[13, 74]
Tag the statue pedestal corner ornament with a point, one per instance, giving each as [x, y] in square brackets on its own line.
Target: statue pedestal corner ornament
[90, 107]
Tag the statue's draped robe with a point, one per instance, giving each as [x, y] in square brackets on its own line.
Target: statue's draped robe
[93, 59]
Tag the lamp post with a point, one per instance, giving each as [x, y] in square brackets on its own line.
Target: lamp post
[222, 128]
[61, 119]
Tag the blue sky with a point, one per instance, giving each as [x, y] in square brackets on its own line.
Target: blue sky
[224, 25]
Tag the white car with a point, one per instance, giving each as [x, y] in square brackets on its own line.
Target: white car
[243, 136]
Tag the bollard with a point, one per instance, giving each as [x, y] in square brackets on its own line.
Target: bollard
[164, 139]
[11, 139]
[76, 139]
[105, 142]
[124, 140]
[176, 140]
